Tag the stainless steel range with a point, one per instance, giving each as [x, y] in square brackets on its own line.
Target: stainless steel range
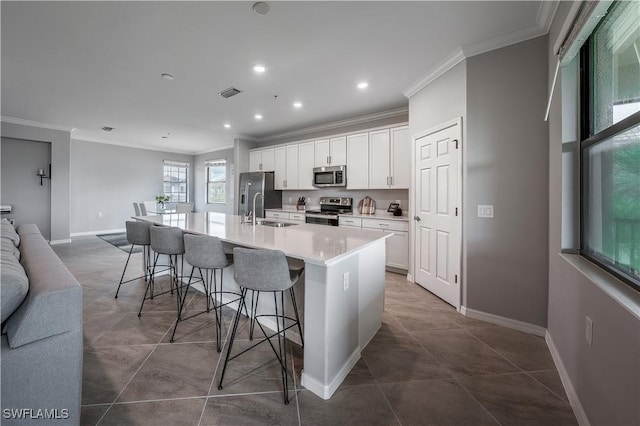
[330, 208]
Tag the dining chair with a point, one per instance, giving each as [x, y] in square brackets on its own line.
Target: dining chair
[136, 209]
[143, 209]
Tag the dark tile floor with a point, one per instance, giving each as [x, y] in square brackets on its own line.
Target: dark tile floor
[427, 364]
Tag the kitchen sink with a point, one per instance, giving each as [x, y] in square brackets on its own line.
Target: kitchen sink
[275, 224]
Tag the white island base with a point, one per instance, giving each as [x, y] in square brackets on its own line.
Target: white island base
[343, 305]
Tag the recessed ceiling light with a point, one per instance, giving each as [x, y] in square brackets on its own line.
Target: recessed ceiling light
[259, 68]
[167, 76]
[258, 116]
[363, 85]
[261, 8]
[227, 125]
[297, 104]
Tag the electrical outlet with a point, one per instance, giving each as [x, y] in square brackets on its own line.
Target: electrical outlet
[12, 221]
[345, 281]
[485, 211]
[398, 202]
[588, 331]
[290, 200]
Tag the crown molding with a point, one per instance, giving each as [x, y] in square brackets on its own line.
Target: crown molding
[220, 148]
[23, 122]
[337, 124]
[546, 13]
[445, 65]
[129, 145]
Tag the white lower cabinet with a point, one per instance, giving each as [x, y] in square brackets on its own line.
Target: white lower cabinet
[397, 245]
[270, 214]
[297, 217]
[282, 216]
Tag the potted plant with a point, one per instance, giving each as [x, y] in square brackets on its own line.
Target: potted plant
[161, 199]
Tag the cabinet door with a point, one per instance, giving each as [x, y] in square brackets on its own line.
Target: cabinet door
[322, 153]
[379, 176]
[255, 160]
[400, 157]
[398, 250]
[280, 167]
[306, 163]
[358, 161]
[268, 160]
[338, 151]
[291, 167]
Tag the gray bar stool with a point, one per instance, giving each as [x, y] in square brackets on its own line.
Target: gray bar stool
[137, 235]
[205, 252]
[167, 241]
[265, 271]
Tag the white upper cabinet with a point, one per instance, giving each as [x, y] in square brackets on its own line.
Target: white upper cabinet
[331, 152]
[286, 167]
[379, 159]
[306, 163]
[389, 158]
[358, 161]
[400, 157]
[262, 160]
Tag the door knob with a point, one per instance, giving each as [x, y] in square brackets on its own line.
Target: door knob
[417, 218]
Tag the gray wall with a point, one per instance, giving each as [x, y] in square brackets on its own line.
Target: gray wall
[107, 179]
[21, 187]
[200, 181]
[60, 155]
[606, 375]
[506, 166]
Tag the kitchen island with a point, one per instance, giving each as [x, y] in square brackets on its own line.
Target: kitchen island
[343, 285]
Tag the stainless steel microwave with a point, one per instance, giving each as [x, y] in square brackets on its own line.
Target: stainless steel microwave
[330, 176]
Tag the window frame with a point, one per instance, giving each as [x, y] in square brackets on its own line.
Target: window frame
[207, 165]
[589, 139]
[182, 164]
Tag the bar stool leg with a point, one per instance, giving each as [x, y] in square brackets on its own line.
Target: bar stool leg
[281, 345]
[181, 307]
[150, 285]
[232, 339]
[124, 271]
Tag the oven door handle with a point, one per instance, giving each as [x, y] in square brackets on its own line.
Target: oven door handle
[321, 216]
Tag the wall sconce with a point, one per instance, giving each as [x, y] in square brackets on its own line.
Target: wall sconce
[40, 173]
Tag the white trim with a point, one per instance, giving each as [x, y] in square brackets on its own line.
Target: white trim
[54, 242]
[14, 120]
[128, 145]
[220, 148]
[505, 40]
[504, 321]
[336, 124]
[574, 401]
[440, 68]
[566, 27]
[104, 231]
[326, 391]
[546, 13]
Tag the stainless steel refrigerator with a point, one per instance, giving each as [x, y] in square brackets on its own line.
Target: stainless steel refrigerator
[252, 183]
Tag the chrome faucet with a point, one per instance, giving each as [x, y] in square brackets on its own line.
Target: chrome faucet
[254, 207]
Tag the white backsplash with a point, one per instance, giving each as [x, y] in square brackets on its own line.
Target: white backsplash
[382, 197]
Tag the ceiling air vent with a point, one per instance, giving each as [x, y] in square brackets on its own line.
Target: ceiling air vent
[107, 129]
[231, 91]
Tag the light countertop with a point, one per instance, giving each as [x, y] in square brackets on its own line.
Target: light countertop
[317, 244]
[379, 214]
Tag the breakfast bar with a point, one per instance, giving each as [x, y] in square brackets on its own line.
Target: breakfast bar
[343, 284]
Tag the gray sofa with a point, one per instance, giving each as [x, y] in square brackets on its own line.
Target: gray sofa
[41, 352]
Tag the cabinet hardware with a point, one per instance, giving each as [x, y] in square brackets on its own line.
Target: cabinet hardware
[456, 141]
[456, 278]
[383, 224]
[284, 183]
[329, 159]
[391, 180]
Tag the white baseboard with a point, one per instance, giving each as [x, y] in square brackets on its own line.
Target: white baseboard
[54, 242]
[327, 391]
[410, 278]
[578, 410]
[503, 321]
[104, 231]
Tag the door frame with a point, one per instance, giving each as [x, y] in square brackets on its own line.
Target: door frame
[459, 202]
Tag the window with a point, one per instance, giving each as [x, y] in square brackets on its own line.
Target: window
[216, 181]
[610, 143]
[176, 181]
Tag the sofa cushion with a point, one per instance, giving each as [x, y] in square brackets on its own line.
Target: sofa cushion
[7, 246]
[28, 229]
[14, 284]
[8, 231]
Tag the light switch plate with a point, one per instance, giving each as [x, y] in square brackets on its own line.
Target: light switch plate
[485, 211]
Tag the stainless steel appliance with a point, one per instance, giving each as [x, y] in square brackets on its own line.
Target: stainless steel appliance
[330, 208]
[330, 176]
[253, 183]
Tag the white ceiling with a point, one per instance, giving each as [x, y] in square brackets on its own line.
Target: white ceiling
[85, 65]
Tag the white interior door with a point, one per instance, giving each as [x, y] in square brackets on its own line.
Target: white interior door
[437, 239]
